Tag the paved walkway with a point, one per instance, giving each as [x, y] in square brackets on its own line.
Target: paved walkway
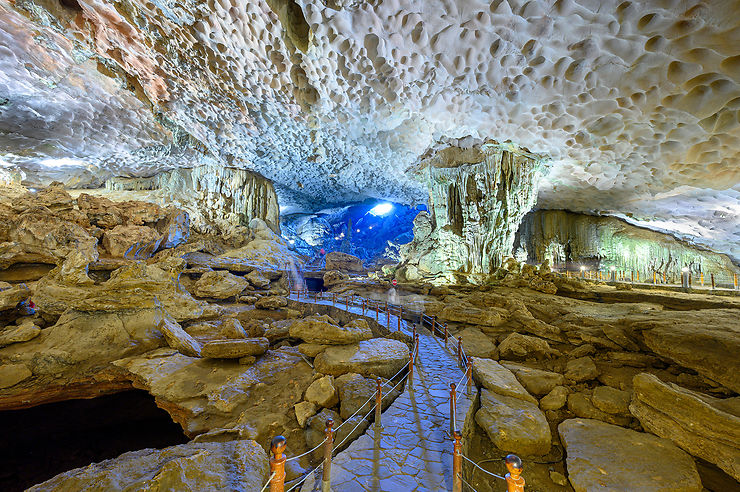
[411, 451]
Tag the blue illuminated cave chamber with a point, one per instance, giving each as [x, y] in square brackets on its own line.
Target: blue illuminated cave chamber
[372, 230]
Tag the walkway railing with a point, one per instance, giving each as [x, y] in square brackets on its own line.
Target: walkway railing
[381, 310]
[687, 279]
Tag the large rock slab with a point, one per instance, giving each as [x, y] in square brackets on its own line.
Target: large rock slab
[498, 379]
[535, 381]
[235, 348]
[704, 426]
[131, 241]
[219, 284]
[706, 342]
[517, 346]
[12, 374]
[21, 333]
[343, 262]
[206, 394]
[379, 356]
[464, 312]
[321, 330]
[217, 466]
[476, 343]
[179, 339]
[602, 456]
[12, 296]
[514, 425]
[322, 392]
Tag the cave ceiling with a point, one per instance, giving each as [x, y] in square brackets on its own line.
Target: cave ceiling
[635, 106]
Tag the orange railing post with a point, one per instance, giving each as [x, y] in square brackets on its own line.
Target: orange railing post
[333, 299]
[469, 373]
[411, 366]
[514, 480]
[453, 408]
[400, 314]
[328, 450]
[277, 464]
[459, 350]
[377, 308]
[734, 279]
[711, 275]
[388, 316]
[457, 463]
[416, 340]
[378, 402]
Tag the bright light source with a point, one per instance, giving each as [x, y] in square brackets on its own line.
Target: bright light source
[358, 230]
[63, 162]
[381, 209]
[336, 238]
[583, 268]
[292, 241]
[612, 268]
[32, 190]
[684, 269]
[370, 227]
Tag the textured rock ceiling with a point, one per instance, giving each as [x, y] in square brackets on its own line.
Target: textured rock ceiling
[636, 105]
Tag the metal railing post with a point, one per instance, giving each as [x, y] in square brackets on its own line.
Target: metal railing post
[457, 463]
[712, 277]
[400, 314]
[459, 350]
[469, 373]
[378, 402]
[453, 408]
[388, 316]
[328, 450]
[446, 335]
[277, 464]
[416, 339]
[411, 366]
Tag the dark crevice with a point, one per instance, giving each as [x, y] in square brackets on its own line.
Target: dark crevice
[41, 442]
[71, 4]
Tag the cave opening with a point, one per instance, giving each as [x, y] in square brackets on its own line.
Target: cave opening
[41, 442]
[315, 284]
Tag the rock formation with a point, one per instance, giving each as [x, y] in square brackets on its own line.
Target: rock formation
[570, 239]
[477, 198]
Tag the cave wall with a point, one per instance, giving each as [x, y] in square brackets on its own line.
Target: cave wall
[601, 242]
[477, 198]
[217, 198]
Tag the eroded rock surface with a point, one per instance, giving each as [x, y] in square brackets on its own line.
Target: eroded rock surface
[607, 457]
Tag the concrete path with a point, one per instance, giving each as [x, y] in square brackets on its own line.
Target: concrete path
[412, 451]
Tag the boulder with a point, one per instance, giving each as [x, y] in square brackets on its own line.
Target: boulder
[514, 425]
[311, 349]
[22, 333]
[379, 356]
[334, 277]
[611, 400]
[12, 374]
[322, 392]
[320, 330]
[498, 379]
[580, 405]
[336, 260]
[224, 328]
[231, 465]
[463, 312]
[234, 349]
[536, 381]
[581, 369]
[132, 241]
[607, 457]
[12, 296]
[257, 279]
[271, 302]
[555, 399]
[517, 346]
[354, 392]
[704, 426]
[303, 411]
[692, 342]
[477, 344]
[219, 284]
[179, 339]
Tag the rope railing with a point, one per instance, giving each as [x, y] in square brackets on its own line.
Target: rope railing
[370, 307]
[276, 482]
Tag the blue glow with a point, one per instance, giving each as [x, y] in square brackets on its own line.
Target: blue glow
[381, 209]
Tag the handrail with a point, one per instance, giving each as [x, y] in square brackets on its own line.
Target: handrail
[438, 330]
